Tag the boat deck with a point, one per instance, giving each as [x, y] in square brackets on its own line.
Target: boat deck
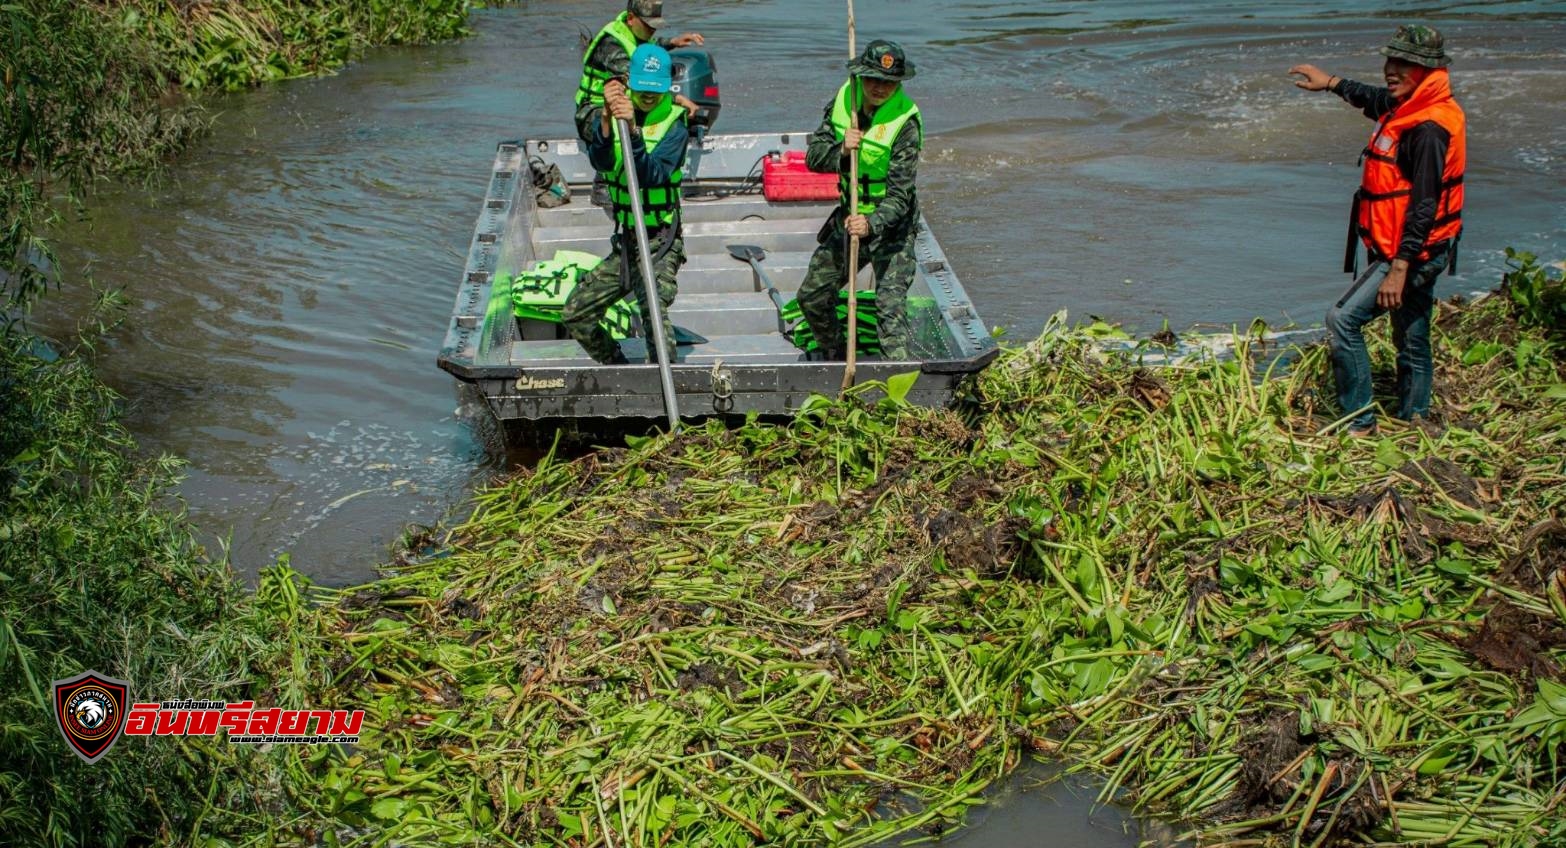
[720, 297]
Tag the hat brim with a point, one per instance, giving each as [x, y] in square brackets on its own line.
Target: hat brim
[1423, 61]
[874, 72]
[655, 23]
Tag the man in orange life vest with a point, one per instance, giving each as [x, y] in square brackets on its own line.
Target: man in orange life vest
[1408, 211]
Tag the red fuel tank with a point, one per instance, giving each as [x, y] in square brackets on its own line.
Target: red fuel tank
[785, 177]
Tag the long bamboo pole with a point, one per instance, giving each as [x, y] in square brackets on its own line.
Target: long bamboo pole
[853, 209]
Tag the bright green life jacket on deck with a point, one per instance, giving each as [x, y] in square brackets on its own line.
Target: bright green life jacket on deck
[660, 204]
[549, 282]
[869, 319]
[541, 292]
[593, 77]
[875, 150]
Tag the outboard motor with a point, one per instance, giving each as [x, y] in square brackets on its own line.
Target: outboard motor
[696, 77]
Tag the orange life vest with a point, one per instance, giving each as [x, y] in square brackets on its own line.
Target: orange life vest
[1381, 204]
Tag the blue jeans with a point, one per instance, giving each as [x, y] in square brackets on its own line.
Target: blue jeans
[1410, 333]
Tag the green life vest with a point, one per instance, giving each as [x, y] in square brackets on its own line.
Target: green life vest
[540, 293]
[594, 77]
[660, 204]
[868, 319]
[875, 150]
[546, 286]
[869, 340]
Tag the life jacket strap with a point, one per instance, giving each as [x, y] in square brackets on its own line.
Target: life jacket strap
[1446, 185]
[1351, 248]
[664, 235]
[1384, 195]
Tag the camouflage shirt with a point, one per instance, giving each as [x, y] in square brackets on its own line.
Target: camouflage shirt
[900, 208]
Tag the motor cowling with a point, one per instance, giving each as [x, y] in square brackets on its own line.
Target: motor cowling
[696, 77]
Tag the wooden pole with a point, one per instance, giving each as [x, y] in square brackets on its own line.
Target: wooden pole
[853, 209]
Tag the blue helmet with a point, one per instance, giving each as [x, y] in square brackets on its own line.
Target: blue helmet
[651, 69]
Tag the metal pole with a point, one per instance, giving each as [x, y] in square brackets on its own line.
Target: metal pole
[650, 283]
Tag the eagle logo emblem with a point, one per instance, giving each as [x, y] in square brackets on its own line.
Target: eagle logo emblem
[91, 710]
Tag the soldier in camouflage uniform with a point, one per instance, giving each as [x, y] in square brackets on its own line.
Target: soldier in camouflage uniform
[658, 153]
[608, 56]
[888, 142]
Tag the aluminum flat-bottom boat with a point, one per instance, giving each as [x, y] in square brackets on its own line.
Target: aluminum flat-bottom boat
[532, 376]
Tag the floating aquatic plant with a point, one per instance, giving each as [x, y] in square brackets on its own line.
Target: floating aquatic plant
[1187, 579]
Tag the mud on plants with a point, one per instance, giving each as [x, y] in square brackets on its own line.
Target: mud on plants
[1188, 580]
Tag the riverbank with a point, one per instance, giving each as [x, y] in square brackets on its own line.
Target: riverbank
[426, 770]
[1188, 580]
[94, 90]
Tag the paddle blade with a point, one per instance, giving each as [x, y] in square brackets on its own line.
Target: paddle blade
[683, 336]
[747, 252]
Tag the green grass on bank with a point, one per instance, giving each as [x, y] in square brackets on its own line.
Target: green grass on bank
[97, 571]
[92, 90]
[1187, 580]
[230, 46]
[97, 566]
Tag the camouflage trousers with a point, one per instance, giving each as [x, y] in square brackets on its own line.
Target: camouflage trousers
[892, 256]
[605, 285]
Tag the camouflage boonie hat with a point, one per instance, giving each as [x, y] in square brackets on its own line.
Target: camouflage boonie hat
[1421, 45]
[882, 60]
[650, 11]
